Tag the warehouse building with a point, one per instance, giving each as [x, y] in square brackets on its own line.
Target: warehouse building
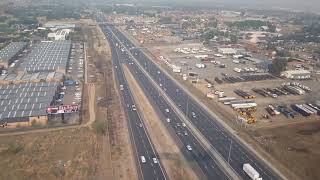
[25, 104]
[59, 35]
[47, 56]
[11, 51]
[297, 74]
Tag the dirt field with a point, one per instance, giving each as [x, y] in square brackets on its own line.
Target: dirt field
[66, 154]
[294, 149]
[296, 146]
[172, 159]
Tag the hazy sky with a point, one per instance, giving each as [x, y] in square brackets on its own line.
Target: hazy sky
[305, 5]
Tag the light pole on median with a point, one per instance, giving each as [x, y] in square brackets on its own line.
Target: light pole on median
[187, 106]
[229, 152]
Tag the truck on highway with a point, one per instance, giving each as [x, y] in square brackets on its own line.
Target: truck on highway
[251, 172]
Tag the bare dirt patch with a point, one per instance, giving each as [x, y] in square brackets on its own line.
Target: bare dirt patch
[66, 154]
[296, 146]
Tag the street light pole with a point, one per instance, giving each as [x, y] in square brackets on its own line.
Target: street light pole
[229, 152]
[187, 106]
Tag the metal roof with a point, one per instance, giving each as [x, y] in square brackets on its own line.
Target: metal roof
[47, 56]
[11, 50]
[25, 100]
[32, 76]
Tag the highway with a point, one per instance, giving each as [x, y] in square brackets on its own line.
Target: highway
[220, 138]
[197, 153]
[148, 170]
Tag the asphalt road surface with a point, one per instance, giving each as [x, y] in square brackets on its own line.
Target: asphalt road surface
[149, 169]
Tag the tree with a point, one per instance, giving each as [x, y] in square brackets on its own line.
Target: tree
[233, 38]
[278, 65]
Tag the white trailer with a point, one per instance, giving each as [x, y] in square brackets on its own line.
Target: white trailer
[251, 172]
[238, 70]
[200, 66]
[244, 105]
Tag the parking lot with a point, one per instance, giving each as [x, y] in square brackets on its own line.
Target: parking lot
[75, 71]
[188, 62]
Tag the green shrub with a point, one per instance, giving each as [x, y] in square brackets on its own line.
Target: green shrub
[14, 147]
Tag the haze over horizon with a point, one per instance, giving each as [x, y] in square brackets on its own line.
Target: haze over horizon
[307, 6]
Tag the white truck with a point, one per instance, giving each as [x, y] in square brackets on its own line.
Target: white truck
[251, 172]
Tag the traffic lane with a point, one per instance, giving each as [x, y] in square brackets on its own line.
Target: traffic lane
[139, 136]
[207, 165]
[143, 147]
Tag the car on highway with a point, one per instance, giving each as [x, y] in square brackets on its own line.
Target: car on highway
[189, 147]
[193, 114]
[143, 159]
[140, 125]
[185, 133]
[184, 125]
[167, 110]
[133, 107]
[168, 120]
[155, 160]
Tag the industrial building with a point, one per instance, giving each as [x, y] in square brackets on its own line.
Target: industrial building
[55, 26]
[47, 56]
[59, 35]
[297, 74]
[25, 104]
[8, 53]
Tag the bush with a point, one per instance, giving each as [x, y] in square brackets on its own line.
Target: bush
[99, 127]
[14, 147]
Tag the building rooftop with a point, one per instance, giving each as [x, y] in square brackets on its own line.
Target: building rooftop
[25, 100]
[47, 56]
[11, 50]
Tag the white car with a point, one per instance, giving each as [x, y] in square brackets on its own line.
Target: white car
[193, 114]
[168, 120]
[155, 160]
[143, 159]
[189, 148]
[184, 125]
[167, 110]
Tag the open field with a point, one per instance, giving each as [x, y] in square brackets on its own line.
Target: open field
[66, 154]
[296, 146]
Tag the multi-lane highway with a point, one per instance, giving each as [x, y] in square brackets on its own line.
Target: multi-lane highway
[191, 149]
[148, 163]
[229, 147]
